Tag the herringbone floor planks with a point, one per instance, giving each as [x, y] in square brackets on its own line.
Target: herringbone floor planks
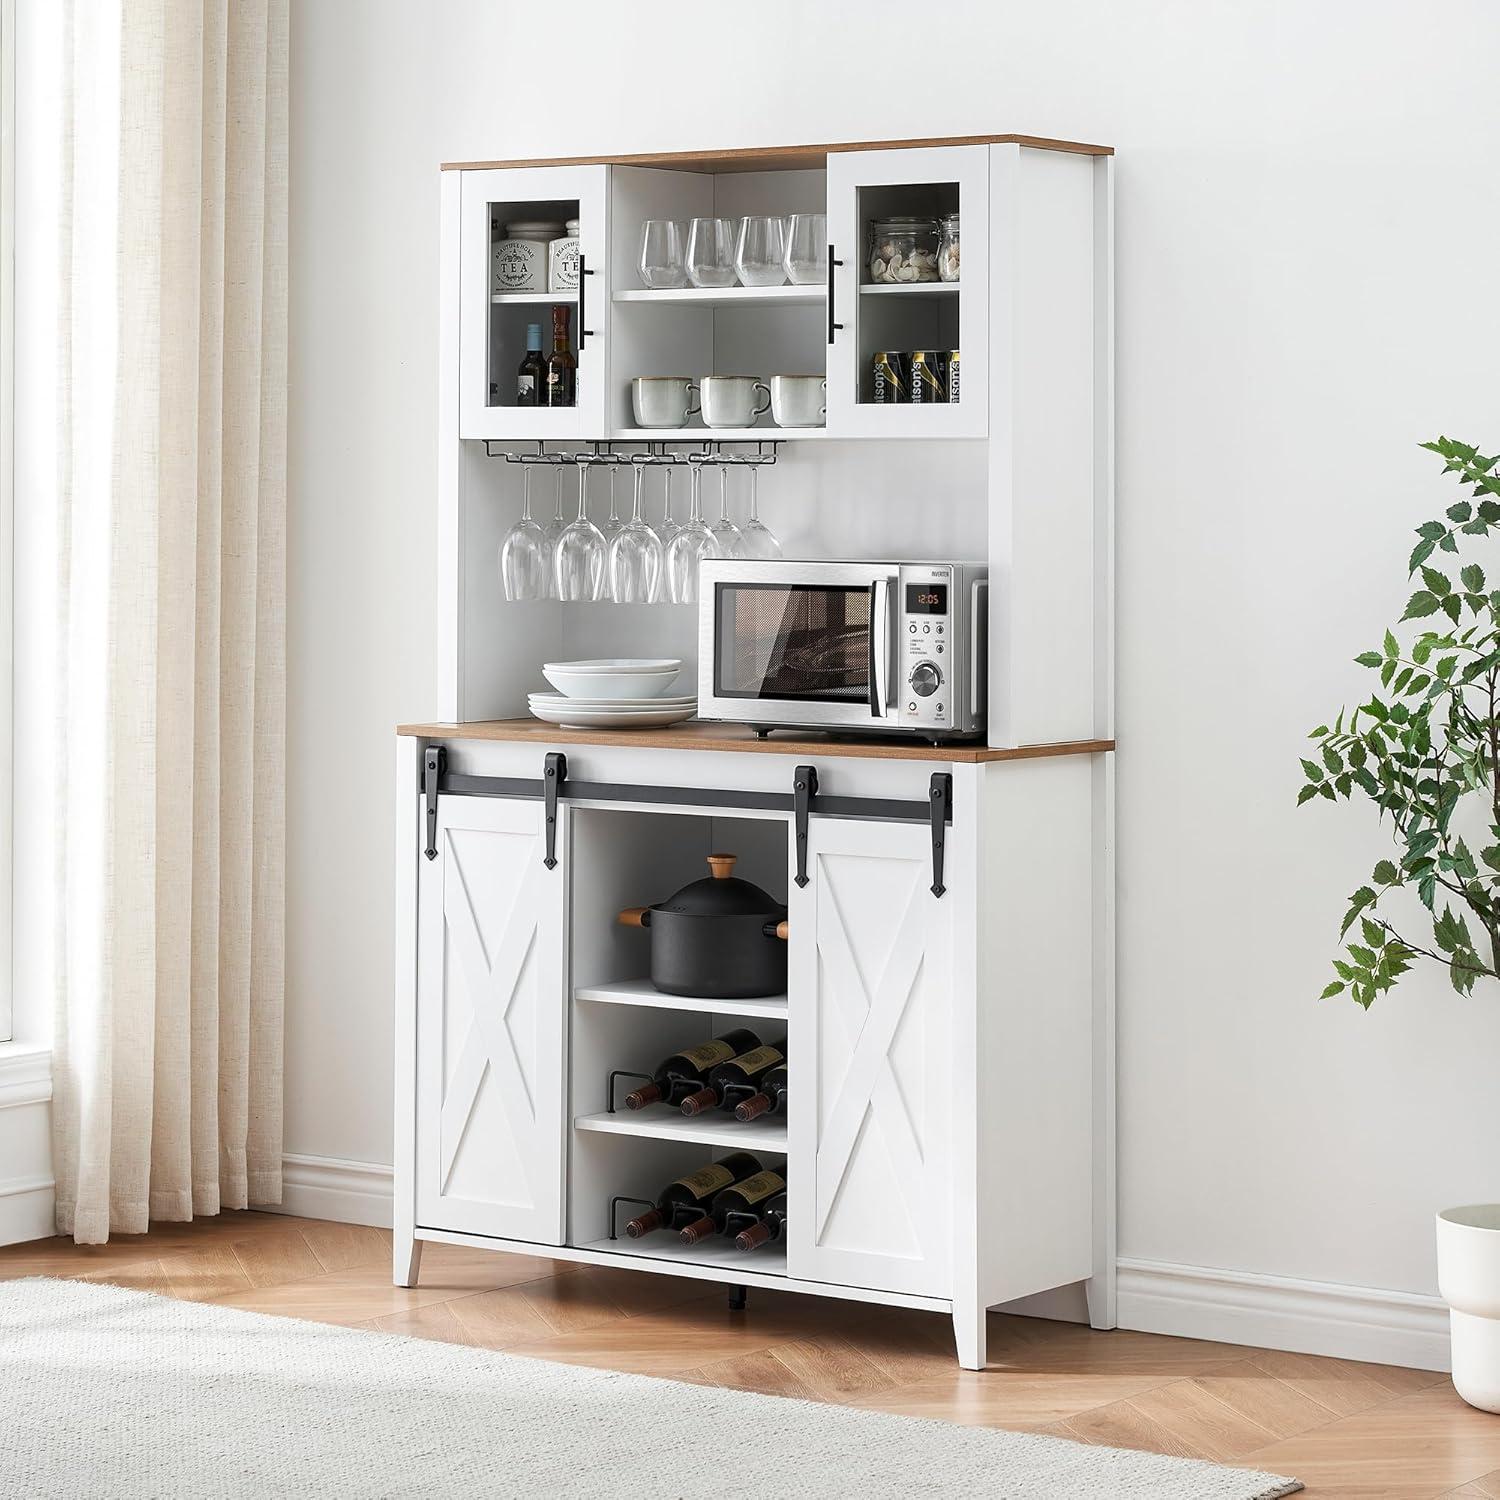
[1350, 1431]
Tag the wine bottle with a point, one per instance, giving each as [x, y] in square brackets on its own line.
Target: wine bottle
[562, 369]
[771, 1225]
[741, 1198]
[680, 1074]
[532, 375]
[695, 1190]
[738, 1072]
[770, 1100]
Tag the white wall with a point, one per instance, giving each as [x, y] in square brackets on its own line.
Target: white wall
[1307, 240]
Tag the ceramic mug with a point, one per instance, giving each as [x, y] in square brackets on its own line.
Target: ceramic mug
[799, 400]
[662, 400]
[729, 400]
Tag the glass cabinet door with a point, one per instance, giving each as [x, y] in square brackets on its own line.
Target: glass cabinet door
[909, 318]
[530, 288]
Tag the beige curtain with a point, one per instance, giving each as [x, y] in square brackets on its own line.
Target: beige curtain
[170, 628]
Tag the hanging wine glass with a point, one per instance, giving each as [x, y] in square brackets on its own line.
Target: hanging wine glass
[636, 555]
[726, 534]
[581, 552]
[756, 538]
[524, 553]
[614, 523]
[552, 530]
[690, 546]
[667, 528]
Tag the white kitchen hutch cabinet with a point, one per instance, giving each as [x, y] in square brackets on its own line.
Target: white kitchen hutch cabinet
[948, 1141]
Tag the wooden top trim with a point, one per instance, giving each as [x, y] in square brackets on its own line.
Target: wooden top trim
[737, 737]
[776, 158]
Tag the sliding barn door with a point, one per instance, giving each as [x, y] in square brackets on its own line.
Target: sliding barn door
[490, 1025]
[870, 1046]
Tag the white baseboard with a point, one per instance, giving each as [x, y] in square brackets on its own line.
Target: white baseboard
[1280, 1312]
[27, 1198]
[348, 1192]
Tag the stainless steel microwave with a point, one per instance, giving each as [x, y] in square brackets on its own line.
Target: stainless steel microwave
[861, 647]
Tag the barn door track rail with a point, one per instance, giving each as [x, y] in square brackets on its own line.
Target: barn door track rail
[802, 800]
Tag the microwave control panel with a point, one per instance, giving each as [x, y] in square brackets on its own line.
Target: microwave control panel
[925, 646]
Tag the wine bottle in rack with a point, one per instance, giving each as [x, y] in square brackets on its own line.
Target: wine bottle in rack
[687, 1071]
[738, 1074]
[769, 1100]
[771, 1225]
[694, 1191]
[742, 1198]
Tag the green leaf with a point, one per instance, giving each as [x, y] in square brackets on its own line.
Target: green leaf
[1334, 987]
[1432, 530]
[1387, 874]
[1460, 512]
[1419, 554]
[1420, 605]
[1369, 659]
[1392, 650]
[1437, 582]
[1306, 794]
[1313, 771]
[1473, 577]
[1453, 607]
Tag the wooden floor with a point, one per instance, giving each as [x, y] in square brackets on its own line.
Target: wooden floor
[1347, 1430]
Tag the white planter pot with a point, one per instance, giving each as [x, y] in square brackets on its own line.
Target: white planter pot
[1468, 1253]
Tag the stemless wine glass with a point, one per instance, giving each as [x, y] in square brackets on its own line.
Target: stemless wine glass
[756, 538]
[726, 534]
[524, 554]
[760, 250]
[662, 254]
[581, 552]
[689, 547]
[636, 556]
[807, 249]
[667, 528]
[710, 252]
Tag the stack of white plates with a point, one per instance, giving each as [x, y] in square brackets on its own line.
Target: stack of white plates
[613, 693]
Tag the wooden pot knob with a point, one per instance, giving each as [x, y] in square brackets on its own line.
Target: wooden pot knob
[722, 865]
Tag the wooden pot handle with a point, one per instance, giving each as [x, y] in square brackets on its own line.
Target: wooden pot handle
[635, 916]
[777, 929]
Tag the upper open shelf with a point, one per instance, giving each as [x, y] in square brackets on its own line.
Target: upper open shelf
[729, 296]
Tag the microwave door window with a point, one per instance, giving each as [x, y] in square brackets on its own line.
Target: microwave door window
[795, 642]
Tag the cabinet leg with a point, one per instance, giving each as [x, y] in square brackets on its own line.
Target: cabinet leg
[969, 1335]
[406, 1259]
[738, 1295]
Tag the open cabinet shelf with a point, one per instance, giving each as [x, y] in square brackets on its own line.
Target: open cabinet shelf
[643, 992]
[728, 296]
[658, 1123]
[769, 1260]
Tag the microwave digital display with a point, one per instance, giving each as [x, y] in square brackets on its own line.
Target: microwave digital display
[927, 598]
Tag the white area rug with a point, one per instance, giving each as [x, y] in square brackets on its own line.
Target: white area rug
[114, 1393]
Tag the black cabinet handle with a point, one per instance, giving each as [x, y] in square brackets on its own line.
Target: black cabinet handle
[832, 326]
[584, 331]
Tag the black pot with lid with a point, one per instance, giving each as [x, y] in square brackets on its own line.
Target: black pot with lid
[721, 937]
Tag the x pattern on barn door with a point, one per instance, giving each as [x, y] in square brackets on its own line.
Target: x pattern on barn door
[491, 941]
[866, 940]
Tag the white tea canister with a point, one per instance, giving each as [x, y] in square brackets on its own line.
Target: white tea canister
[562, 260]
[519, 260]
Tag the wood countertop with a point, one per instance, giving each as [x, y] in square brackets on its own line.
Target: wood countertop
[738, 737]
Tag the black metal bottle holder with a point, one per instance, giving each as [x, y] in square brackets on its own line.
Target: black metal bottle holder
[804, 802]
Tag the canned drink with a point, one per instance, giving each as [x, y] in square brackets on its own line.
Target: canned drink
[892, 377]
[929, 377]
[953, 376]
